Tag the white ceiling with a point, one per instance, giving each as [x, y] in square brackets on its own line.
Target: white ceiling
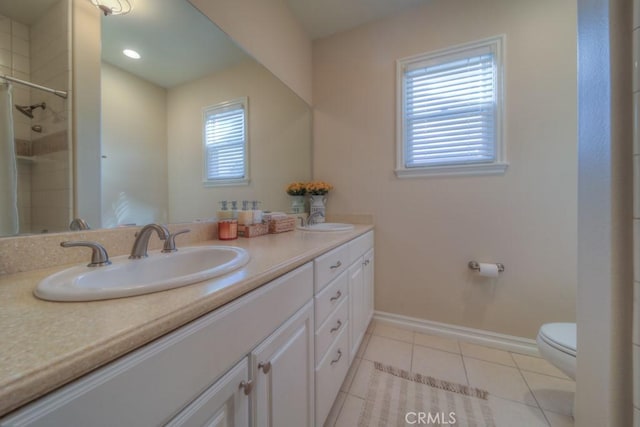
[25, 11]
[321, 18]
[176, 41]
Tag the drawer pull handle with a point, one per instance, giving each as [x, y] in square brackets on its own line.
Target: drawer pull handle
[336, 360]
[335, 328]
[336, 265]
[265, 366]
[246, 386]
[338, 295]
[366, 262]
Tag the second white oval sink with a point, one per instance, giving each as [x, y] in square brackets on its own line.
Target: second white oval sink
[327, 226]
[126, 277]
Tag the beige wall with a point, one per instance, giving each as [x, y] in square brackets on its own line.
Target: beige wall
[279, 134]
[605, 246]
[269, 32]
[134, 149]
[84, 98]
[428, 229]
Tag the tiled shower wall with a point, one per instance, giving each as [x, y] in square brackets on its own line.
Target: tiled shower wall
[51, 176]
[14, 61]
[40, 53]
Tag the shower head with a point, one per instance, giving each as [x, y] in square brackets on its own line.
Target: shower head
[27, 110]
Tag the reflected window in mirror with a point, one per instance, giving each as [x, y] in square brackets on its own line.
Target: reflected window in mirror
[225, 143]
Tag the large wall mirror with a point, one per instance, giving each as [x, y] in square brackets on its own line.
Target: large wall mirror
[151, 112]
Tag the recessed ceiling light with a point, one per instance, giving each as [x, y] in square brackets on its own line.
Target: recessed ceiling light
[131, 53]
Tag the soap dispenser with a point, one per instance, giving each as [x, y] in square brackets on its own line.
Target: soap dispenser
[245, 216]
[257, 213]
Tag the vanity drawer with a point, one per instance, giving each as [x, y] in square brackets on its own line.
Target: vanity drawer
[330, 265]
[360, 245]
[330, 374]
[330, 297]
[331, 328]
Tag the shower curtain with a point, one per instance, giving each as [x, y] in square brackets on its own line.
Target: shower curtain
[8, 168]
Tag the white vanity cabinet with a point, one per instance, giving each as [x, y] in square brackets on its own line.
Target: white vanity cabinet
[194, 369]
[332, 322]
[282, 372]
[224, 404]
[343, 309]
[360, 289]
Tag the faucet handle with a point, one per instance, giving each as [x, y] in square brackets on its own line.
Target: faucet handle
[99, 256]
[170, 243]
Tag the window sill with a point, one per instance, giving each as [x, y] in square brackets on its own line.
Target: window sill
[435, 171]
[226, 182]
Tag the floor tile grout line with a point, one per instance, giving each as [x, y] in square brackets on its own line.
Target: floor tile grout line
[389, 338]
[466, 373]
[413, 348]
[534, 396]
[437, 348]
[489, 361]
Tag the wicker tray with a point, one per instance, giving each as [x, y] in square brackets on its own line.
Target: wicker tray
[253, 230]
[282, 225]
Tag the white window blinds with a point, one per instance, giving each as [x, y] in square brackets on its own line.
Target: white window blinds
[225, 142]
[450, 106]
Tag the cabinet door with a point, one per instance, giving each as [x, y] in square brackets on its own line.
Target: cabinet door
[283, 374]
[224, 404]
[368, 287]
[356, 306]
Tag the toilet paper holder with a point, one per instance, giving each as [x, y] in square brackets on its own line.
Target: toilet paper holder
[475, 265]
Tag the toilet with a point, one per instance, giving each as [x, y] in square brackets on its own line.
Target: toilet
[557, 344]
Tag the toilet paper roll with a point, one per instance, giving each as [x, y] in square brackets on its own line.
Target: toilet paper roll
[488, 270]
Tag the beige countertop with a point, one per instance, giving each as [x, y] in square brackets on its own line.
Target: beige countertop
[44, 345]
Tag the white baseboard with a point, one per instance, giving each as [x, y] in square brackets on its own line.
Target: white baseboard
[476, 336]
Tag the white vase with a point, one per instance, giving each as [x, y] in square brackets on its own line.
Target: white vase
[297, 204]
[317, 208]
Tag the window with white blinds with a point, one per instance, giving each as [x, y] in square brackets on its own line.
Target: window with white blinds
[225, 143]
[450, 111]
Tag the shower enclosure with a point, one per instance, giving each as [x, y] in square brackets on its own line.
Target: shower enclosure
[36, 57]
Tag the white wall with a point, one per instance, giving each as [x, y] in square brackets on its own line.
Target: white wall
[279, 134]
[84, 97]
[134, 149]
[268, 31]
[428, 229]
[605, 246]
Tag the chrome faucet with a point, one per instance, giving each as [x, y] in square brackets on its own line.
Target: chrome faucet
[170, 243]
[79, 224]
[313, 217]
[99, 257]
[141, 243]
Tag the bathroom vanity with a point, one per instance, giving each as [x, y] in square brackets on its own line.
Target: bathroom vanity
[271, 348]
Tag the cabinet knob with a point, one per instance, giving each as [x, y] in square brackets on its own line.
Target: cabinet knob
[339, 356]
[246, 386]
[336, 265]
[338, 295]
[265, 366]
[335, 328]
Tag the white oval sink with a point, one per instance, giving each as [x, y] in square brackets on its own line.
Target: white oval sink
[327, 226]
[126, 277]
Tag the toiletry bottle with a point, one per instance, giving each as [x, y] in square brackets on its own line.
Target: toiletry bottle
[257, 213]
[245, 216]
[224, 212]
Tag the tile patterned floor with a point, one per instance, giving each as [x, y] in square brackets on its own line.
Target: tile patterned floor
[524, 390]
